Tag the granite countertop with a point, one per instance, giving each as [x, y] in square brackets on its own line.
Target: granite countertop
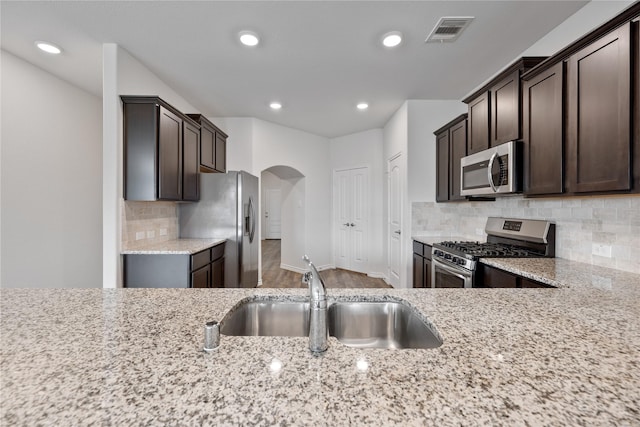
[174, 247]
[134, 356]
[563, 273]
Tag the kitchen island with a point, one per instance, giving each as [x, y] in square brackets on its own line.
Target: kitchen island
[568, 356]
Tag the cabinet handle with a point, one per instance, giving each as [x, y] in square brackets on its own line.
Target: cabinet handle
[346, 224]
[397, 231]
[352, 225]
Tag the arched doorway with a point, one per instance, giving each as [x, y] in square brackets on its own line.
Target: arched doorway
[283, 220]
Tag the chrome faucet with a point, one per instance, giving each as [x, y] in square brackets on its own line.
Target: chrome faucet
[318, 330]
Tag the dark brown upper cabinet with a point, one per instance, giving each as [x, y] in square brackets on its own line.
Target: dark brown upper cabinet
[451, 146]
[599, 155]
[543, 131]
[191, 162]
[479, 120]
[161, 147]
[495, 115]
[213, 146]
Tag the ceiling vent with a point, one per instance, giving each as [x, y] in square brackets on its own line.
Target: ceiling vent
[449, 28]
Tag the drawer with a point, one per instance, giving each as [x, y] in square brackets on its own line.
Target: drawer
[217, 252]
[200, 259]
[427, 252]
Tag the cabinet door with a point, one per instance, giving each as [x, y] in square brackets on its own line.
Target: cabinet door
[479, 119]
[543, 131]
[599, 112]
[201, 278]
[442, 167]
[418, 271]
[217, 273]
[505, 110]
[427, 272]
[191, 163]
[169, 156]
[457, 150]
[221, 153]
[496, 278]
[207, 148]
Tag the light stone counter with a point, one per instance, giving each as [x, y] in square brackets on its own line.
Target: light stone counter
[174, 247]
[562, 273]
[133, 357]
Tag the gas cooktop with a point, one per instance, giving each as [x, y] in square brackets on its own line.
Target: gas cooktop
[506, 238]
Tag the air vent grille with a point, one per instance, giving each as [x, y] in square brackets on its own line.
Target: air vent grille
[449, 28]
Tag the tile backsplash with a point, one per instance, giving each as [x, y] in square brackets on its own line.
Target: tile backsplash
[588, 229]
[148, 222]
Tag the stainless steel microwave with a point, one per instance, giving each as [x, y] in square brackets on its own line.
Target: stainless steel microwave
[492, 172]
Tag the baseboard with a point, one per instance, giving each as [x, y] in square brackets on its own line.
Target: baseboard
[292, 268]
[377, 275]
[304, 270]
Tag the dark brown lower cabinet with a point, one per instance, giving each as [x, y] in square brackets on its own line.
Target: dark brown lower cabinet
[421, 265]
[491, 277]
[204, 269]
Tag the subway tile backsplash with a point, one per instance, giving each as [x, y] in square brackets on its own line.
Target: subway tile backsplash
[148, 222]
[586, 227]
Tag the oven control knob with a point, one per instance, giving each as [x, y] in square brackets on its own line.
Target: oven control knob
[455, 260]
[447, 256]
[437, 252]
[461, 261]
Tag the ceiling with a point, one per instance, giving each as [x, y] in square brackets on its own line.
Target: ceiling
[318, 58]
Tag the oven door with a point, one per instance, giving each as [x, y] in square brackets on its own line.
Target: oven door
[446, 276]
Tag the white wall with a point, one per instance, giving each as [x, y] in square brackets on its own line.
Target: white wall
[424, 118]
[365, 149]
[275, 145]
[589, 17]
[51, 180]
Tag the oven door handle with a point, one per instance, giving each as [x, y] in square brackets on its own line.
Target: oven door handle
[456, 273]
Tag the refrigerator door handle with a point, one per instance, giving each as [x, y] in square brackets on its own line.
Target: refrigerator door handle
[252, 220]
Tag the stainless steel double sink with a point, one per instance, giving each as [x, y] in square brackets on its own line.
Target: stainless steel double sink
[362, 324]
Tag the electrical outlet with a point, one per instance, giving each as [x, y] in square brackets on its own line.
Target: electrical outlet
[599, 249]
[139, 235]
[151, 234]
[163, 231]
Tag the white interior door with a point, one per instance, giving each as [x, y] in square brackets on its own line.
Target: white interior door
[351, 207]
[395, 221]
[272, 213]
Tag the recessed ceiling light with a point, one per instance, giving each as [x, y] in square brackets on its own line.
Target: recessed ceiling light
[362, 106]
[48, 47]
[275, 105]
[392, 39]
[249, 38]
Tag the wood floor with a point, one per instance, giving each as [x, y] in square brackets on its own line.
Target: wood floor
[275, 277]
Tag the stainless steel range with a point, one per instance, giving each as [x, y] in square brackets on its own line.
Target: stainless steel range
[454, 263]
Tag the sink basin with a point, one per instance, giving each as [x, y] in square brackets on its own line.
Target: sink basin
[387, 324]
[363, 324]
[268, 318]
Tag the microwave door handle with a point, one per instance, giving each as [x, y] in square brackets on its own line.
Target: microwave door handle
[489, 174]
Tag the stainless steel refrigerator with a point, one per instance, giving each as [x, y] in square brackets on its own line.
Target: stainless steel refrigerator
[227, 210]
